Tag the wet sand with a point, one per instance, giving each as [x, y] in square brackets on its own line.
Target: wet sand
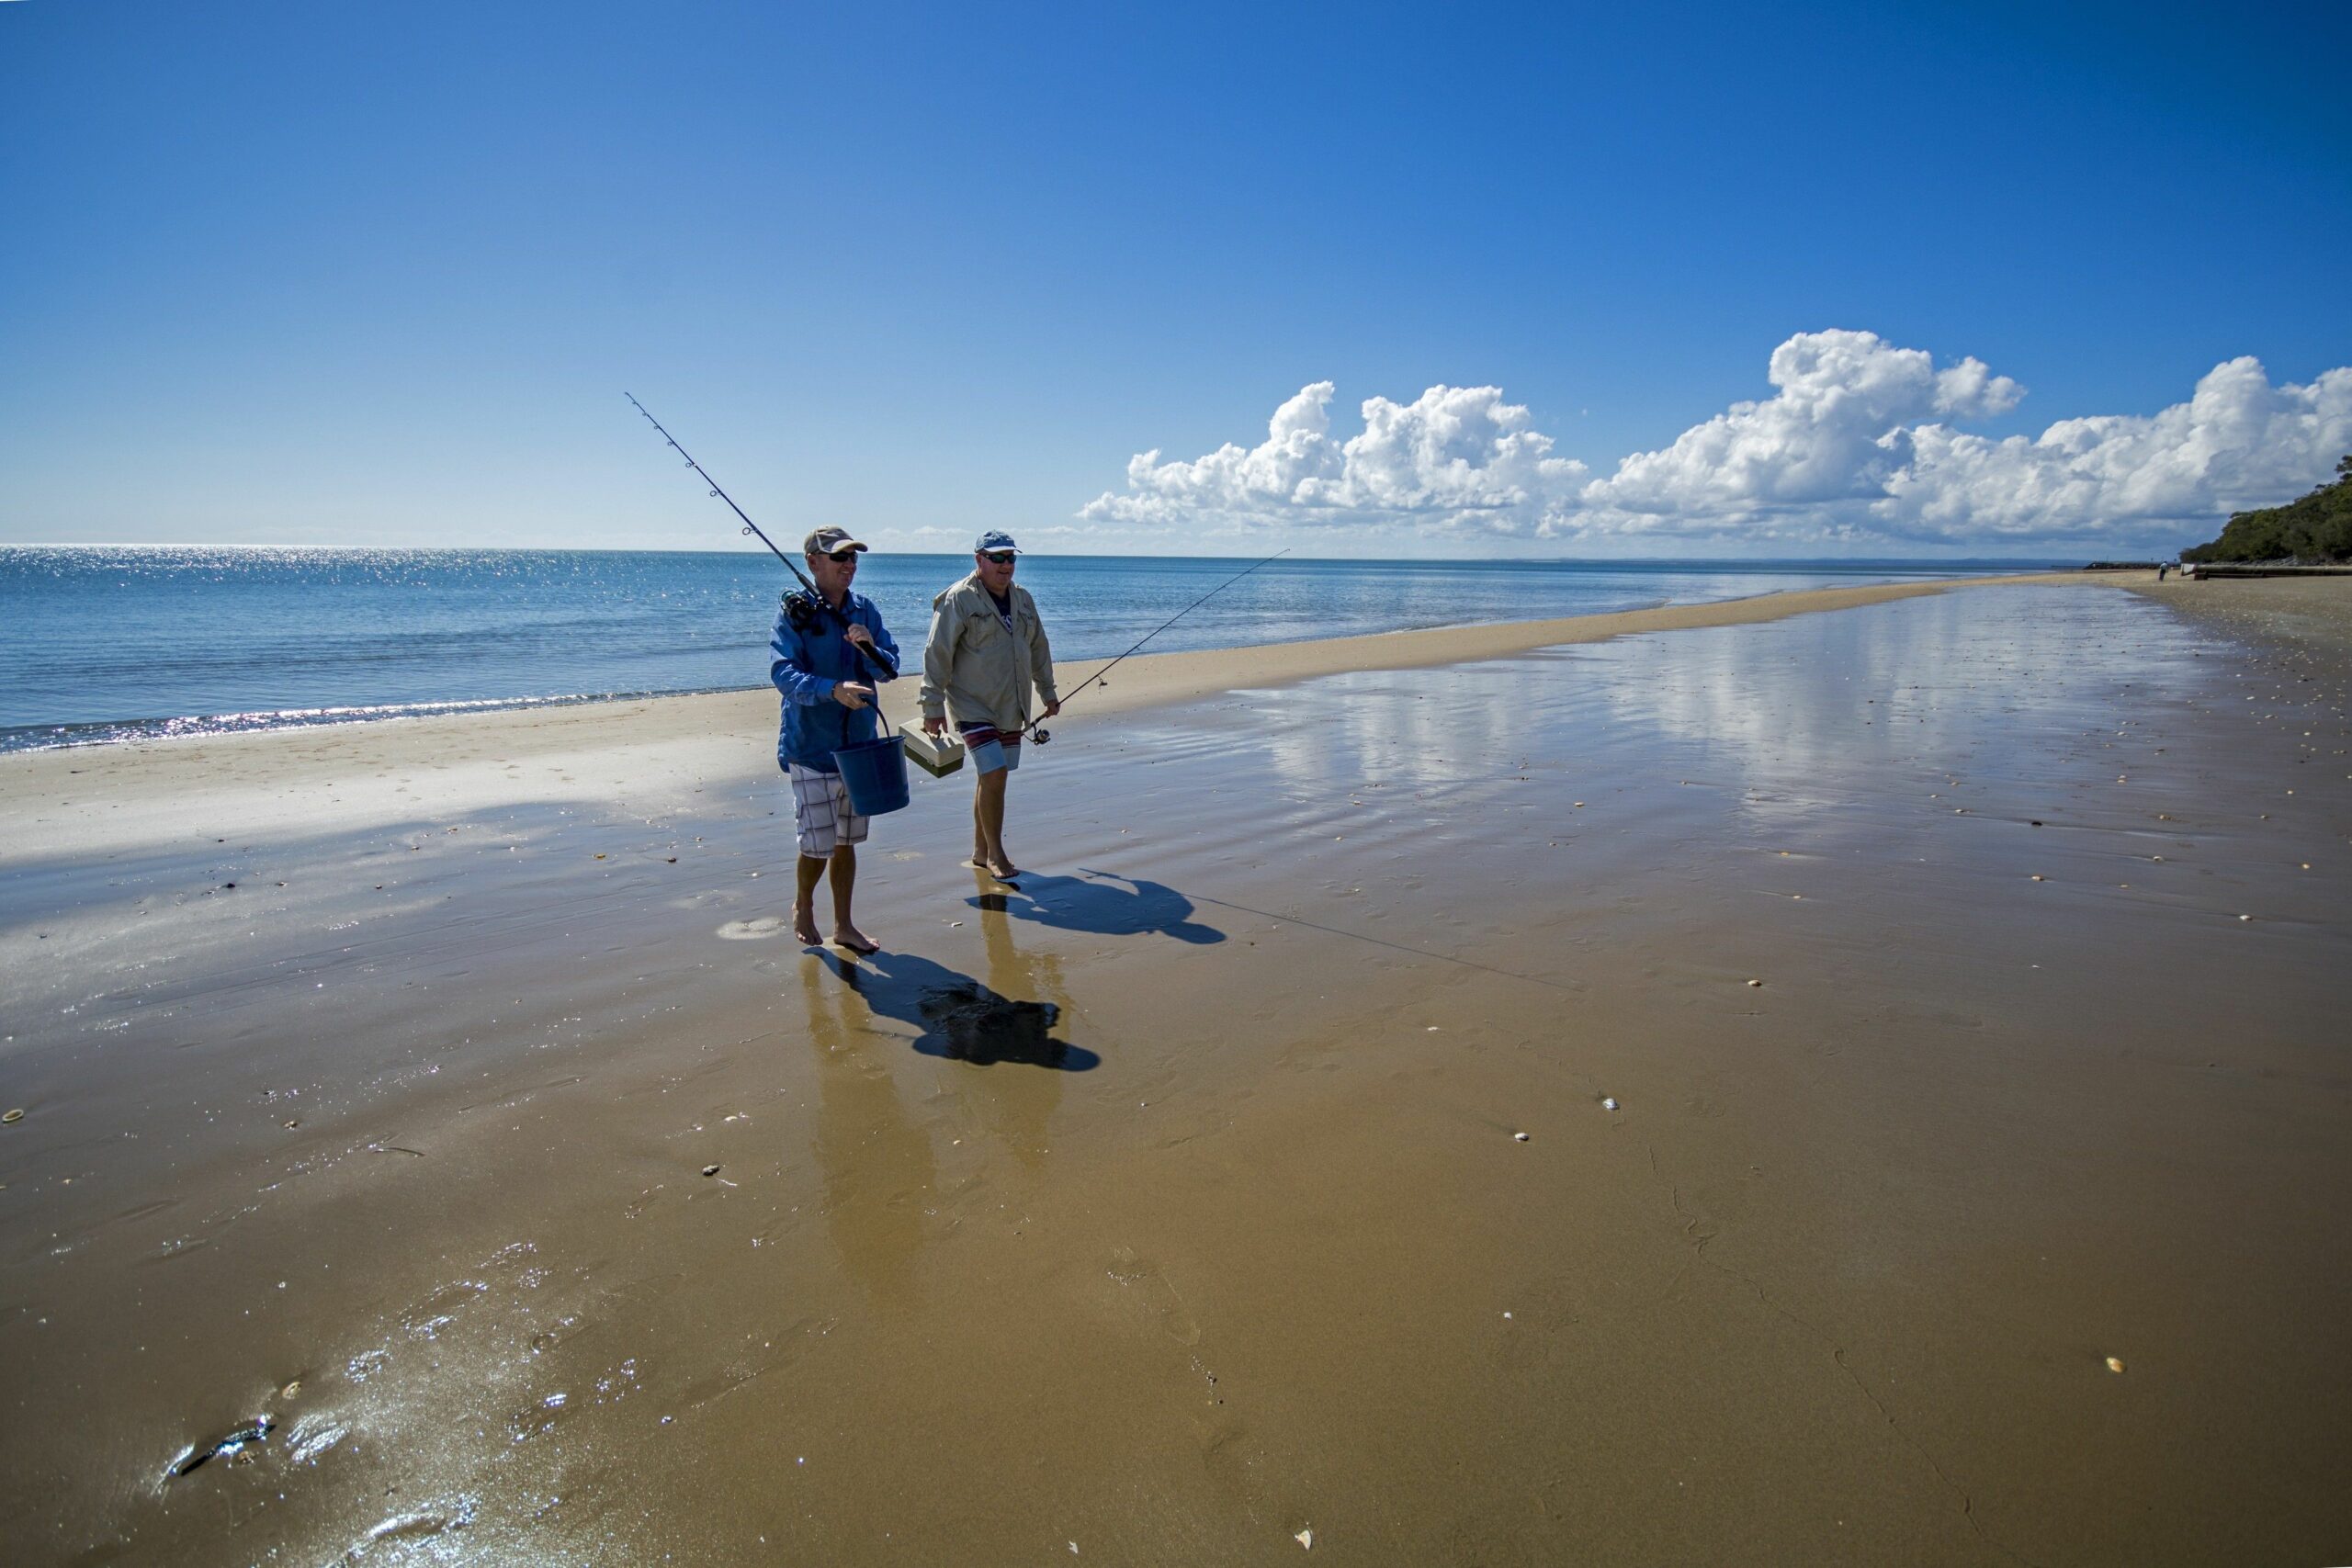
[1172, 1206]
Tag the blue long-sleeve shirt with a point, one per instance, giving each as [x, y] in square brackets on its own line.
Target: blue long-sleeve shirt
[806, 665]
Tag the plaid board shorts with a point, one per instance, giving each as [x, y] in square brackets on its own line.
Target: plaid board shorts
[989, 747]
[822, 819]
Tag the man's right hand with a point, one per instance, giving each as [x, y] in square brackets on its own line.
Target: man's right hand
[850, 694]
[935, 723]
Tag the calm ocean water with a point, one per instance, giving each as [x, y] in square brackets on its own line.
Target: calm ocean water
[107, 644]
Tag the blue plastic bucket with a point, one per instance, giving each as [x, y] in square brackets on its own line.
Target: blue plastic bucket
[874, 774]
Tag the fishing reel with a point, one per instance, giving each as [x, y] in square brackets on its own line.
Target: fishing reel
[1040, 734]
[801, 610]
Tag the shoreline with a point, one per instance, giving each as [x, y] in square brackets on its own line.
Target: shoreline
[225, 689]
[680, 744]
[1511, 636]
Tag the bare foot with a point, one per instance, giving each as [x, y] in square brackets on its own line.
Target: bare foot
[855, 939]
[804, 926]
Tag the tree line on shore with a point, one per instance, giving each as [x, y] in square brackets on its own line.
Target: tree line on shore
[2315, 530]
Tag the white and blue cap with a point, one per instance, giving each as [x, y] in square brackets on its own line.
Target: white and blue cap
[994, 540]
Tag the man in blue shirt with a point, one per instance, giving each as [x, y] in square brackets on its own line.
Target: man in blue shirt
[824, 653]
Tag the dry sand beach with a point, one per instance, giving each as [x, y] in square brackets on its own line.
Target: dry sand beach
[1713, 1084]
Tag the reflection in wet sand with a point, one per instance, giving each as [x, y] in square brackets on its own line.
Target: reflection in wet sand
[1928, 684]
[1017, 1109]
[1801, 718]
[878, 1166]
[986, 1031]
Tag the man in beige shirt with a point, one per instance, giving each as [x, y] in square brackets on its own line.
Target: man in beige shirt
[986, 650]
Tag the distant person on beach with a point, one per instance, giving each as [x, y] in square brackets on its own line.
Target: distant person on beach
[823, 653]
[986, 648]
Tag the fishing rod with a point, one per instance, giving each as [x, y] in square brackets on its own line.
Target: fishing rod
[873, 656]
[1037, 726]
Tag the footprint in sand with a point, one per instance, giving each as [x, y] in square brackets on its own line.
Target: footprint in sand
[756, 930]
[547, 1410]
[433, 1315]
[441, 1309]
[420, 1526]
[779, 1350]
[1143, 1289]
[312, 1436]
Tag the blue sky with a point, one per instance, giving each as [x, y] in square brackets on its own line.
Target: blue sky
[290, 274]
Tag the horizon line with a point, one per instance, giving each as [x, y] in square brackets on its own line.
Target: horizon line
[1070, 555]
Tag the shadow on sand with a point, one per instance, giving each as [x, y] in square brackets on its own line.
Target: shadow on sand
[960, 1018]
[1102, 903]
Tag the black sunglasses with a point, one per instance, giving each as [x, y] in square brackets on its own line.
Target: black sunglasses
[999, 557]
[843, 557]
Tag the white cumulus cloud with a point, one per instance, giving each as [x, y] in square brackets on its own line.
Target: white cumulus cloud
[1454, 457]
[1833, 432]
[2238, 442]
[1856, 444]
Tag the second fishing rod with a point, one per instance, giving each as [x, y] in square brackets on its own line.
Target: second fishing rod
[1036, 728]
